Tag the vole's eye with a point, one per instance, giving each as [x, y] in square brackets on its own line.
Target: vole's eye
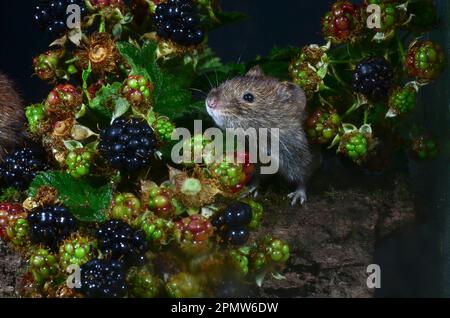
[249, 98]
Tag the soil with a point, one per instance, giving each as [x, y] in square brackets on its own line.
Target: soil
[333, 237]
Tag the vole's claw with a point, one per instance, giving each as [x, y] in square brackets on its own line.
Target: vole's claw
[158, 155]
[298, 196]
[253, 191]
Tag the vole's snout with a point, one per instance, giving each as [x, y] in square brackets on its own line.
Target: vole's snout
[212, 102]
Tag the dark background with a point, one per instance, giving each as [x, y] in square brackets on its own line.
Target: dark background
[270, 23]
[407, 261]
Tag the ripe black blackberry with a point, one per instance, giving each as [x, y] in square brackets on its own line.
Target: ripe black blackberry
[373, 78]
[103, 279]
[51, 15]
[235, 216]
[179, 21]
[51, 224]
[233, 223]
[21, 167]
[118, 240]
[128, 145]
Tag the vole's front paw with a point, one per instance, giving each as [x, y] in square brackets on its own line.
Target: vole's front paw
[253, 191]
[298, 196]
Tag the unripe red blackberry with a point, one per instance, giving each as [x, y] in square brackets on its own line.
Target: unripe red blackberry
[162, 201]
[425, 61]
[9, 212]
[64, 100]
[193, 234]
[46, 64]
[323, 125]
[138, 90]
[125, 207]
[343, 23]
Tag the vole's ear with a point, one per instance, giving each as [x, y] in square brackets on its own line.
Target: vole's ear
[295, 93]
[255, 71]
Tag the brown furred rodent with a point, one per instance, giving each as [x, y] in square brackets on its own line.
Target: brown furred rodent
[12, 120]
[259, 101]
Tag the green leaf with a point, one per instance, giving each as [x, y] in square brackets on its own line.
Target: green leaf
[87, 202]
[121, 106]
[85, 76]
[134, 57]
[72, 145]
[103, 103]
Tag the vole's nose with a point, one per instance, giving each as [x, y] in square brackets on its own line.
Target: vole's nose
[212, 102]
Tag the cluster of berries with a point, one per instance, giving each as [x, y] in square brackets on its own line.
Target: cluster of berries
[79, 162]
[193, 234]
[373, 78]
[21, 167]
[128, 145]
[233, 223]
[425, 61]
[343, 23]
[323, 125]
[51, 16]
[355, 146]
[178, 20]
[271, 252]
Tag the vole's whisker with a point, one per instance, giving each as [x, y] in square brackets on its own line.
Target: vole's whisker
[199, 91]
[209, 81]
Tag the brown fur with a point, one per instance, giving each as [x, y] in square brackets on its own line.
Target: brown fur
[12, 123]
[277, 105]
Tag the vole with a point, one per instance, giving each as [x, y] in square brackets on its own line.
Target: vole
[12, 119]
[259, 101]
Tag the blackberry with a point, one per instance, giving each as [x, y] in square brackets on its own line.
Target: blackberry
[178, 20]
[51, 224]
[21, 167]
[9, 213]
[128, 145]
[44, 266]
[79, 162]
[323, 125]
[103, 279]
[425, 60]
[76, 250]
[51, 17]
[373, 78]
[233, 223]
[142, 283]
[118, 240]
[403, 100]
[193, 234]
[184, 285]
[235, 216]
[237, 237]
[344, 23]
[355, 145]
[35, 115]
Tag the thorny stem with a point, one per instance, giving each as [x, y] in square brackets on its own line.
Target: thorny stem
[338, 78]
[102, 27]
[401, 49]
[366, 115]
